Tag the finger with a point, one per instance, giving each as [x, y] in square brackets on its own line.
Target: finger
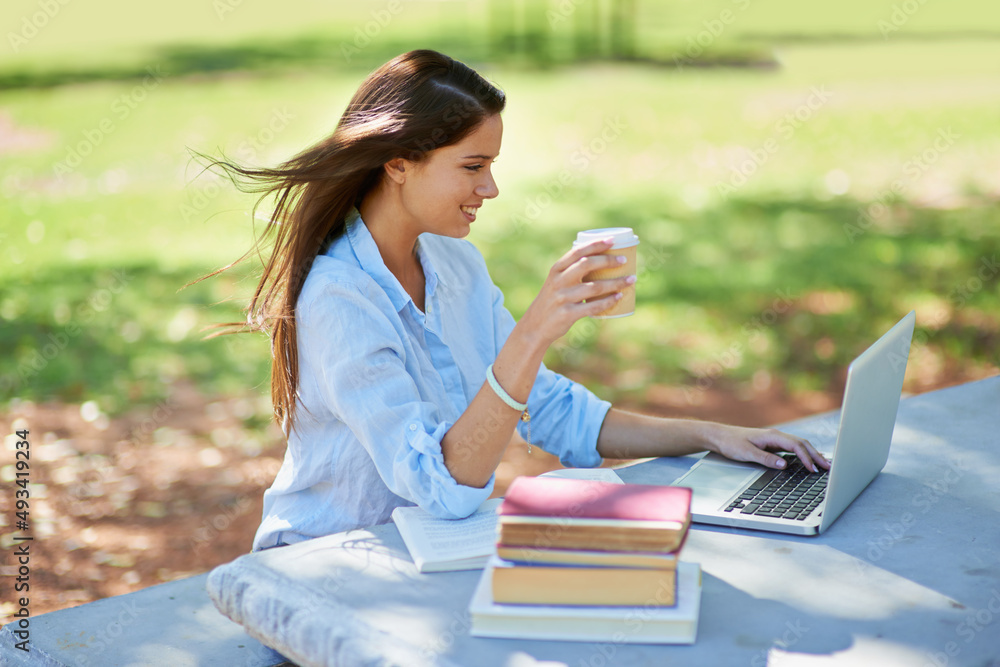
[587, 265]
[578, 253]
[598, 288]
[773, 440]
[757, 455]
[579, 271]
[808, 454]
[597, 306]
[770, 460]
[801, 449]
[817, 456]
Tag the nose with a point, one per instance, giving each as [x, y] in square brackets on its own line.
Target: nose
[488, 189]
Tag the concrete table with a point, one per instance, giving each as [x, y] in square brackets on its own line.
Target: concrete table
[908, 575]
[169, 625]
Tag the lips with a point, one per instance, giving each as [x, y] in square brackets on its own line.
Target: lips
[469, 212]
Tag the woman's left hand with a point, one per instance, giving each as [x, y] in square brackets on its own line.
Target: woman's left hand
[756, 444]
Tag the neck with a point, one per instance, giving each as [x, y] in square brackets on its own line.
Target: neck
[396, 238]
[387, 222]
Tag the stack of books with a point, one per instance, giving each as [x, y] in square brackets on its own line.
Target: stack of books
[590, 560]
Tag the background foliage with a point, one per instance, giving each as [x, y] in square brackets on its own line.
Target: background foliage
[800, 177]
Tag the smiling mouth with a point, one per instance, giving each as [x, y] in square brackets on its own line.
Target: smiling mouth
[469, 211]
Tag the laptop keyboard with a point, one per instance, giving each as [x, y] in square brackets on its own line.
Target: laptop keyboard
[791, 493]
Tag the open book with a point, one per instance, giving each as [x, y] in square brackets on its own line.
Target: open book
[441, 545]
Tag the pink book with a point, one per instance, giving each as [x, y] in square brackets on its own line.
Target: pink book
[592, 502]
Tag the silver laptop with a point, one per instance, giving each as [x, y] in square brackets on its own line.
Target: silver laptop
[747, 495]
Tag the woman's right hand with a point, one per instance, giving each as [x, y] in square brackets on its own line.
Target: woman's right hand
[474, 445]
[560, 302]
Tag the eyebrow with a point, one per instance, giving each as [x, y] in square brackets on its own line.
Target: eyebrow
[478, 157]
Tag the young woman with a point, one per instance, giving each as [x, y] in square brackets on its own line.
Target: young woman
[397, 374]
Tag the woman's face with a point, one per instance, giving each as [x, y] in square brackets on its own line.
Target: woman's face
[443, 192]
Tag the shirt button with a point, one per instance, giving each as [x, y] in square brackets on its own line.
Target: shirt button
[413, 427]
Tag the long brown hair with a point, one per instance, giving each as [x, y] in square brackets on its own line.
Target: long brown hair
[411, 105]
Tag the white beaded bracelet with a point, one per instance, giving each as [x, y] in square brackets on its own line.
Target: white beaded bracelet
[491, 380]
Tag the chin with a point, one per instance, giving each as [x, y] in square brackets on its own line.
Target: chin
[459, 231]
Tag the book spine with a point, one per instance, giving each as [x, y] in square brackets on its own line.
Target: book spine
[596, 539]
[529, 555]
[514, 584]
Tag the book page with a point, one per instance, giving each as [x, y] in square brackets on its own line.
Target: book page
[471, 536]
[431, 539]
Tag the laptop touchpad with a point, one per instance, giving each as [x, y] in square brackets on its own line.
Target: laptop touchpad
[723, 477]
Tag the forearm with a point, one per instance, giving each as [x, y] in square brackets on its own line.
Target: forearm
[474, 446]
[627, 435]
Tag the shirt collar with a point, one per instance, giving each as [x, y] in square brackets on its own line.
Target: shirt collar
[372, 263]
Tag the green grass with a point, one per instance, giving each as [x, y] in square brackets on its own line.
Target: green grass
[764, 279]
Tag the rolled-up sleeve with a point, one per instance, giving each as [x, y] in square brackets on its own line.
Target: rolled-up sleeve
[566, 417]
[360, 362]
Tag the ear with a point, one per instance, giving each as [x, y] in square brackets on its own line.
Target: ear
[395, 169]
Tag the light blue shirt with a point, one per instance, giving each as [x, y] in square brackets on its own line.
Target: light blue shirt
[381, 382]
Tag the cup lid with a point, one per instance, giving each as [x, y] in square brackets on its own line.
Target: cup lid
[623, 236]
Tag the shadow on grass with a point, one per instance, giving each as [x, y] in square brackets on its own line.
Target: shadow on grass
[336, 54]
[795, 287]
[780, 285]
[122, 335]
[872, 37]
[346, 52]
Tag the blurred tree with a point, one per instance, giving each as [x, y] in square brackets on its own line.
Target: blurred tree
[600, 28]
[623, 29]
[536, 25]
[502, 27]
[587, 30]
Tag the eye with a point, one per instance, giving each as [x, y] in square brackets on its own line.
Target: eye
[474, 167]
